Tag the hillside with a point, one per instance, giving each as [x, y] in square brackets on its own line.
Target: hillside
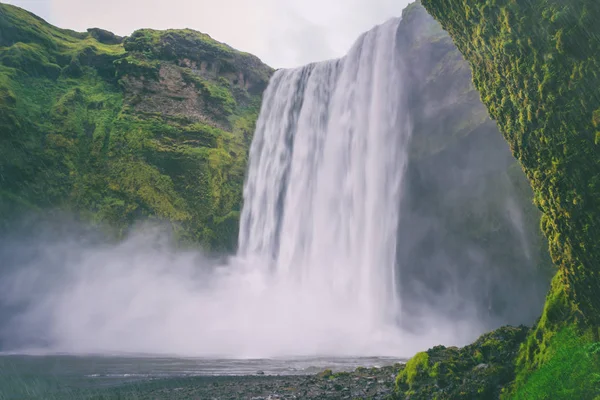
[115, 129]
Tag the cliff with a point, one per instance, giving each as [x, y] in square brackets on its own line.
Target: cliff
[535, 65]
[111, 129]
[466, 201]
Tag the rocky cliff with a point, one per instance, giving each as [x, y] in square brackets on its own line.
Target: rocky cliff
[111, 129]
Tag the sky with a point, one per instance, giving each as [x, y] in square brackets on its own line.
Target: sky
[283, 33]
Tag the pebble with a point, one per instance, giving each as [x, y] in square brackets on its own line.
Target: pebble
[376, 384]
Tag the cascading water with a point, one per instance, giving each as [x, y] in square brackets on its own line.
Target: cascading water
[326, 165]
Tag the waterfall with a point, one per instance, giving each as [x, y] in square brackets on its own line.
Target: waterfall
[315, 273]
[324, 182]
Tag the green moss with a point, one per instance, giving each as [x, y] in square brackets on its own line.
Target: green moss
[217, 94]
[571, 369]
[435, 370]
[137, 66]
[18, 25]
[29, 59]
[477, 371]
[536, 66]
[326, 374]
[419, 364]
[165, 44]
[539, 348]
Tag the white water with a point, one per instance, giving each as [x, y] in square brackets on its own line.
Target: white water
[315, 270]
[326, 165]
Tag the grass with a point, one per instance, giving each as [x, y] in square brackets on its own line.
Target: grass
[572, 369]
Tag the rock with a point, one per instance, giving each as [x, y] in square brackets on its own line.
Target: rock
[325, 374]
[477, 371]
[104, 36]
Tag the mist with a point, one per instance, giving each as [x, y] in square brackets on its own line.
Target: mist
[79, 294]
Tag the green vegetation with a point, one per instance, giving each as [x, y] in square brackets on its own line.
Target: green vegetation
[536, 66]
[571, 369]
[477, 371]
[416, 366]
[559, 359]
[156, 125]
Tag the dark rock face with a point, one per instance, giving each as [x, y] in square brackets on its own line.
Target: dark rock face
[169, 95]
[469, 243]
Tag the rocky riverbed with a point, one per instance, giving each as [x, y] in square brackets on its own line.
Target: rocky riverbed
[363, 383]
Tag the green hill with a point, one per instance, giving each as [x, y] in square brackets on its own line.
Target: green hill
[113, 129]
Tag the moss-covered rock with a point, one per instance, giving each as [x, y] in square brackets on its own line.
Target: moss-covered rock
[478, 371]
[113, 129]
[104, 36]
[536, 66]
[559, 358]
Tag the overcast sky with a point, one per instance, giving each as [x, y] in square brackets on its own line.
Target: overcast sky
[283, 33]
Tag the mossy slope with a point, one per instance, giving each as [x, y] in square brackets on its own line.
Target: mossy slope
[477, 371]
[154, 125]
[560, 357]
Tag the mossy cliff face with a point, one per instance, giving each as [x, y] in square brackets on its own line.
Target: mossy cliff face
[537, 67]
[465, 201]
[154, 125]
